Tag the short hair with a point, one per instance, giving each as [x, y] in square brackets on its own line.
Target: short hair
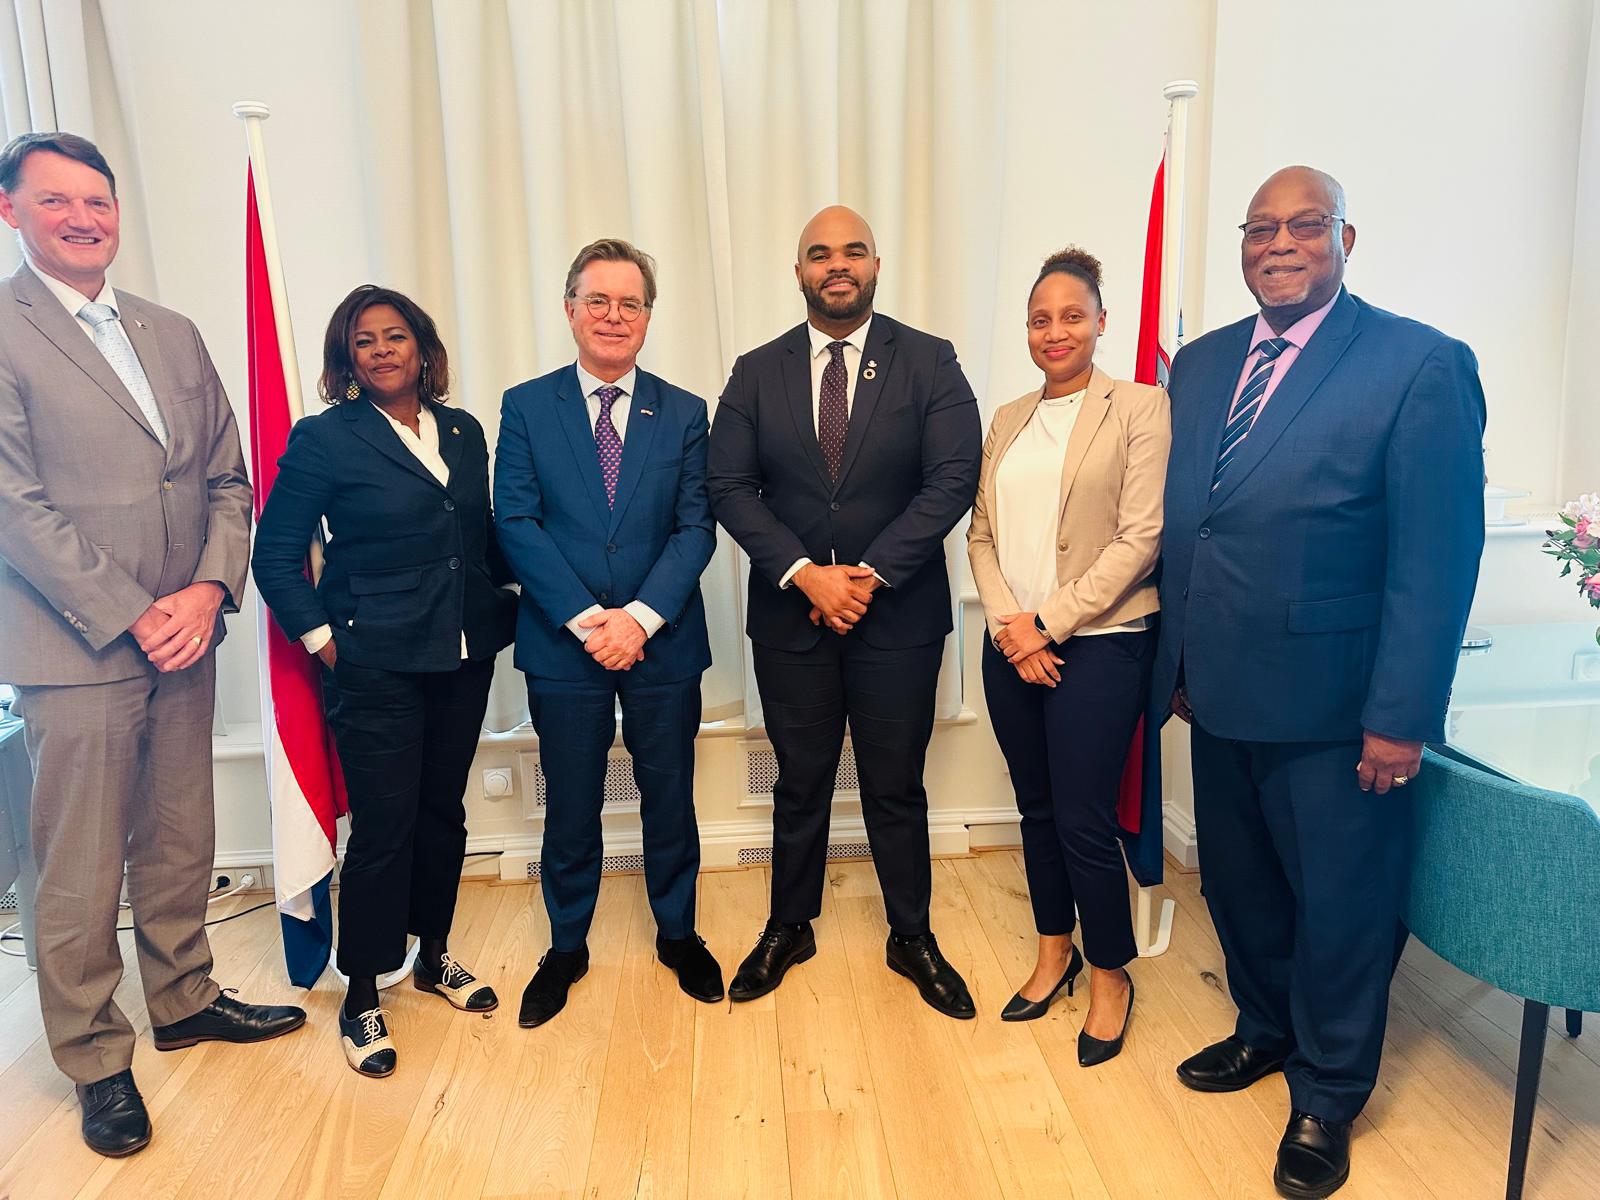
[338, 364]
[68, 145]
[613, 250]
[1076, 262]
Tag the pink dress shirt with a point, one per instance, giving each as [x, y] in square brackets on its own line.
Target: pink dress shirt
[1298, 335]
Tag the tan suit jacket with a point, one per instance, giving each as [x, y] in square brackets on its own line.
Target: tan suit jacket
[96, 519]
[1112, 479]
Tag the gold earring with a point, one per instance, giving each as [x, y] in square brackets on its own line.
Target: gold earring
[353, 392]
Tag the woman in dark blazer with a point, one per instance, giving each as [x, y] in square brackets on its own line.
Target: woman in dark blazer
[1065, 535]
[407, 618]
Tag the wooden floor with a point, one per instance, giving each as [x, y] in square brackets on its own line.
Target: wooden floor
[841, 1084]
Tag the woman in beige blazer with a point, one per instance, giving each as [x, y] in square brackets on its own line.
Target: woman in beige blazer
[1064, 539]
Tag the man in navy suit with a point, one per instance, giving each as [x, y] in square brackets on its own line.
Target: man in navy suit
[844, 452]
[1324, 520]
[600, 500]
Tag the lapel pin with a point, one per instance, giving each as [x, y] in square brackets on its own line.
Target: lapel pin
[872, 369]
[455, 429]
[647, 412]
[138, 322]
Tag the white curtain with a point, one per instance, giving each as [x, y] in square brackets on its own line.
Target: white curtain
[506, 135]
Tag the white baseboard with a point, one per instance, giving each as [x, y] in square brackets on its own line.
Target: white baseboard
[1178, 837]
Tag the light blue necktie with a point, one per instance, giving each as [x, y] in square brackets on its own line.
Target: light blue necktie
[1248, 406]
[111, 339]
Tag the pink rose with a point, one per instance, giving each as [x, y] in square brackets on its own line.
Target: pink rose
[1590, 587]
[1583, 536]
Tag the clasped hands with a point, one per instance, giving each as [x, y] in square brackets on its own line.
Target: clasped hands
[617, 641]
[1028, 650]
[176, 630]
[839, 595]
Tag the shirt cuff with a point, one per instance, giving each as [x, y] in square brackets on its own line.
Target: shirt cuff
[875, 575]
[315, 639]
[788, 576]
[578, 631]
[649, 620]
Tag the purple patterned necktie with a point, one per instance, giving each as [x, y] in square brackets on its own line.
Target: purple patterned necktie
[606, 442]
[833, 410]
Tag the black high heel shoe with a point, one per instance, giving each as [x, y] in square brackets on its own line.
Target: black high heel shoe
[1092, 1051]
[1021, 1009]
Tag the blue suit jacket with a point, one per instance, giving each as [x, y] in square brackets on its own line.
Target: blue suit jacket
[1323, 588]
[569, 550]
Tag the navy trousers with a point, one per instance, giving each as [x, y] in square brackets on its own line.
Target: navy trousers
[1065, 748]
[576, 723]
[1304, 874]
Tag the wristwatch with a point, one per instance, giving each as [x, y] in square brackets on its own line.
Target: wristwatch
[1038, 623]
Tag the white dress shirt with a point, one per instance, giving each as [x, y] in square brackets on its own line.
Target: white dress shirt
[649, 620]
[1027, 514]
[73, 300]
[424, 444]
[855, 345]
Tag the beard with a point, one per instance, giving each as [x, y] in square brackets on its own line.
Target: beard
[841, 308]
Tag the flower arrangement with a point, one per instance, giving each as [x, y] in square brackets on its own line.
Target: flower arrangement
[1578, 546]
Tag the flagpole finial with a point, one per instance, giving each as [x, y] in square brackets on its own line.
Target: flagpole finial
[1178, 89]
[246, 109]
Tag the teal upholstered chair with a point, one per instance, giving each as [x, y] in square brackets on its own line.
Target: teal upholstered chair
[1504, 878]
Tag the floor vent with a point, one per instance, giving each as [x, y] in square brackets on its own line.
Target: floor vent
[751, 856]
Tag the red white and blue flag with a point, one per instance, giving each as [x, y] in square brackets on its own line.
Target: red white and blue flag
[304, 785]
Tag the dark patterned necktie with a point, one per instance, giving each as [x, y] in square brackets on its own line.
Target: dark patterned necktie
[1248, 406]
[833, 410]
[606, 442]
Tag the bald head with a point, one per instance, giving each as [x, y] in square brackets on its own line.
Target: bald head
[1306, 180]
[1295, 245]
[837, 269]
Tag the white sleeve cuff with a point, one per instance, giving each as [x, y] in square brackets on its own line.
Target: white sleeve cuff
[578, 631]
[788, 576]
[315, 639]
[649, 620]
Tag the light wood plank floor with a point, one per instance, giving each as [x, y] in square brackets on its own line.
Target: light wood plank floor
[841, 1084]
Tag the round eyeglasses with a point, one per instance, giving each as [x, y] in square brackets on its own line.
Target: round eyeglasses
[599, 306]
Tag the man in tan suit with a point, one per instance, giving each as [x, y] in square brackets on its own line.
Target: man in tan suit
[124, 532]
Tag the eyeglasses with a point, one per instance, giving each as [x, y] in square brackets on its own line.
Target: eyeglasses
[599, 306]
[1302, 228]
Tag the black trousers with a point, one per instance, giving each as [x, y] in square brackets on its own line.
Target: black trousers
[1304, 875]
[406, 742]
[887, 697]
[1066, 747]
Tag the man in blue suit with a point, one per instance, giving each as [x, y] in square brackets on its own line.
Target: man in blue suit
[1324, 520]
[600, 500]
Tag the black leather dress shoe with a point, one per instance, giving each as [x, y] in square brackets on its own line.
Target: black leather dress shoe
[1227, 1066]
[546, 993]
[778, 948]
[917, 957]
[227, 1020]
[1020, 1008]
[699, 975]
[115, 1122]
[1313, 1158]
[1093, 1051]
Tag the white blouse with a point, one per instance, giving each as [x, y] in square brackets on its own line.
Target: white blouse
[1027, 507]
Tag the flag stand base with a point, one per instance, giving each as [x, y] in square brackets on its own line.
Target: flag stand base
[1153, 929]
[395, 976]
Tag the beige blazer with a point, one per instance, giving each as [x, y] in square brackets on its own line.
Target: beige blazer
[96, 519]
[1112, 479]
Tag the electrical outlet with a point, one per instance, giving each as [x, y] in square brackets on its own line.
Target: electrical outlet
[497, 783]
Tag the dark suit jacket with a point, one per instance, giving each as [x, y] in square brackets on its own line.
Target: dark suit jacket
[909, 473]
[412, 563]
[96, 518]
[570, 550]
[1323, 588]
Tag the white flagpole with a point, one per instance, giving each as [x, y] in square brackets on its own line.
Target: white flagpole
[1178, 94]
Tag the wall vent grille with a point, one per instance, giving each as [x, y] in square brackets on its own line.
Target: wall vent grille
[761, 765]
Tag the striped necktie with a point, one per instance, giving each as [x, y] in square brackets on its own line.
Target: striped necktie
[1248, 406]
[112, 342]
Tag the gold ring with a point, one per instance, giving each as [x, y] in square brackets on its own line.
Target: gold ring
[195, 641]
[1401, 780]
